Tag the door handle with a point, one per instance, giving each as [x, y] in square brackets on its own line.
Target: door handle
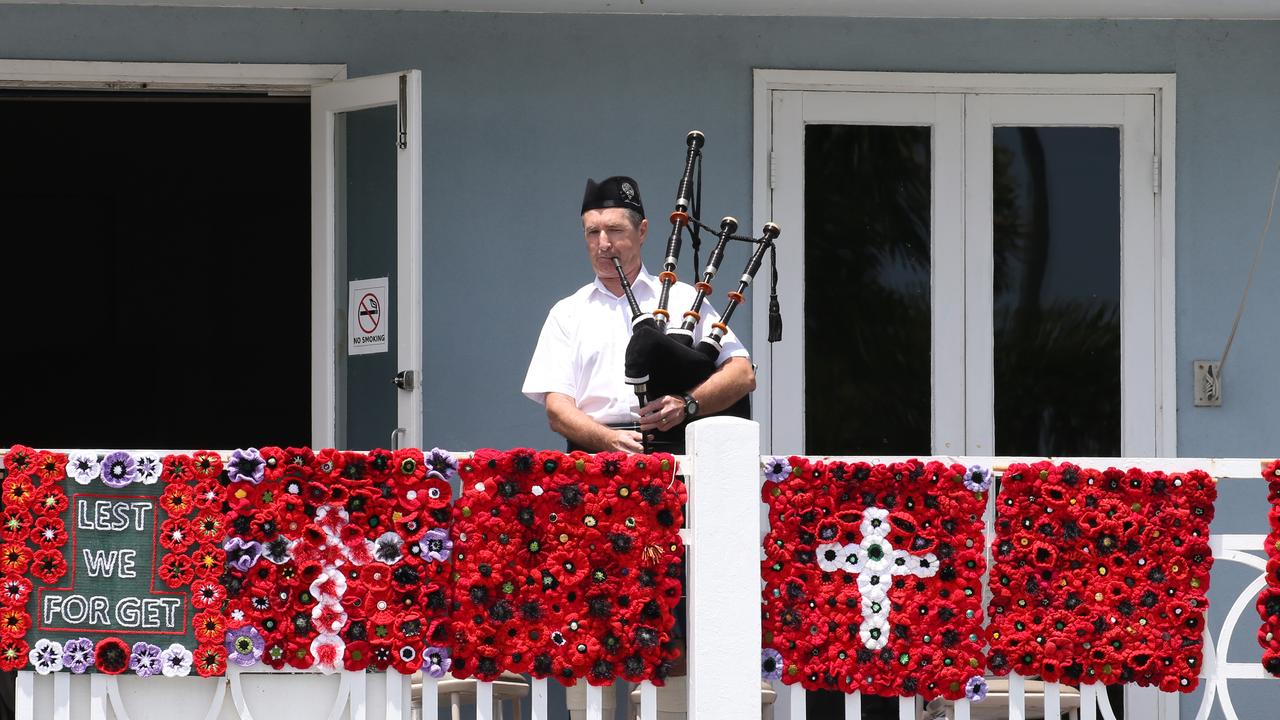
[405, 379]
[395, 437]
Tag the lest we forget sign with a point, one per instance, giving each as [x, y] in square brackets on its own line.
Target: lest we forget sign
[109, 564]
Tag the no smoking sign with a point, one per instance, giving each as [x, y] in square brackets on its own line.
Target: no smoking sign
[369, 318]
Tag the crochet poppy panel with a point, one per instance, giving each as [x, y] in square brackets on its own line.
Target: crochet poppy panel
[1269, 599]
[1100, 576]
[872, 576]
[332, 560]
[567, 565]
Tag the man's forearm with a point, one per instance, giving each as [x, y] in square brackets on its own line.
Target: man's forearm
[578, 427]
[732, 380]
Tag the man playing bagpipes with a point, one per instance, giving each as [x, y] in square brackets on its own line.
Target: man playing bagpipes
[580, 367]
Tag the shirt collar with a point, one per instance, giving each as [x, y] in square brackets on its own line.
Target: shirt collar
[644, 279]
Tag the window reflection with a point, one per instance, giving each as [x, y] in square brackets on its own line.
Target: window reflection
[1056, 216]
[867, 332]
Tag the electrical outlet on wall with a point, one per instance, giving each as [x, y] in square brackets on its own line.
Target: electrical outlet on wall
[1208, 383]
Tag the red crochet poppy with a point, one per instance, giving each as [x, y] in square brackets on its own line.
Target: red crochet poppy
[111, 656]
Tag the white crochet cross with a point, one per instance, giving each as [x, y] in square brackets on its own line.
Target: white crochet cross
[875, 562]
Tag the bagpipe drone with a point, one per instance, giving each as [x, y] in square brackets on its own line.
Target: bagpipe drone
[662, 358]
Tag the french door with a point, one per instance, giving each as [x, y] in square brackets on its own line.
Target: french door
[971, 273]
[366, 154]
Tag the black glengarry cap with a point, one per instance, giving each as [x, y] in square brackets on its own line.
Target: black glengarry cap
[618, 191]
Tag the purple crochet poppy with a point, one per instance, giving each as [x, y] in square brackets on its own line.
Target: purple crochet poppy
[246, 466]
[436, 545]
[776, 469]
[770, 664]
[976, 688]
[440, 461]
[119, 469]
[977, 478]
[145, 659]
[244, 646]
[436, 661]
[242, 555]
[77, 655]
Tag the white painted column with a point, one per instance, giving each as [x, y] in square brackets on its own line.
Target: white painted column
[724, 568]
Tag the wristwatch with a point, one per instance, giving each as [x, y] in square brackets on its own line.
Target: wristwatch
[690, 405]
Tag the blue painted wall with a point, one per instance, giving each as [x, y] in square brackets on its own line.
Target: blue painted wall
[519, 109]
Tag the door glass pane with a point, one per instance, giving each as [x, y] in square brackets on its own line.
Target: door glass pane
[867, 300]
[366, 238]
[1056, 205]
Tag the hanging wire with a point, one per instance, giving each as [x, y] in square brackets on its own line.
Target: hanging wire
[1257, 255]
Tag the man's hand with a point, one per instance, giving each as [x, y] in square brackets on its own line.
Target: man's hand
[625, 441]
[662, 414]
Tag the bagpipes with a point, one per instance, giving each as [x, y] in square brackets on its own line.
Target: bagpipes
[662, 360]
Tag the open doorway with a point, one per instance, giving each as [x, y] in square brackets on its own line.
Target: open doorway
[156, 269]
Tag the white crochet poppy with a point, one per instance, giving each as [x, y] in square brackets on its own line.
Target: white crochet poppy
[176, 661]
[46, 656]
[83, 467]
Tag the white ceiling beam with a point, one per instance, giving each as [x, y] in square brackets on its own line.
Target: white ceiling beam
[991, 9]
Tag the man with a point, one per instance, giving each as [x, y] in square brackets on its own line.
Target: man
[577, 367]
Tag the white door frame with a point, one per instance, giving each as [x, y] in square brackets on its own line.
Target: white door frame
[274, 79]
[329, 100]
[769, 86]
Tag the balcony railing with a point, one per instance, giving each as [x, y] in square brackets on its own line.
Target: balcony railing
[723, 533]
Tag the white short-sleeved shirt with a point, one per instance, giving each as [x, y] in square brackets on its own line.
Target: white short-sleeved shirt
[582, 349]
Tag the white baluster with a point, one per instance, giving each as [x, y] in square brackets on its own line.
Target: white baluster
[648, 701]
[795, 700]
[484, 701]
[98, 696]
[430, 698]
[61, 696]
[1052, 701]
[538, 699]
[1017, 697]
[1088, 702]
[853, 706]
[24, 699]
[595, 702]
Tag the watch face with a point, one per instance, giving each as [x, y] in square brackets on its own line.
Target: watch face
[690, 406]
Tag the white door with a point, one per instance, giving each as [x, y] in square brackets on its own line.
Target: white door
[974, 274]
[366, 154]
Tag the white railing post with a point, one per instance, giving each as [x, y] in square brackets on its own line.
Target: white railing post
[724, 569]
